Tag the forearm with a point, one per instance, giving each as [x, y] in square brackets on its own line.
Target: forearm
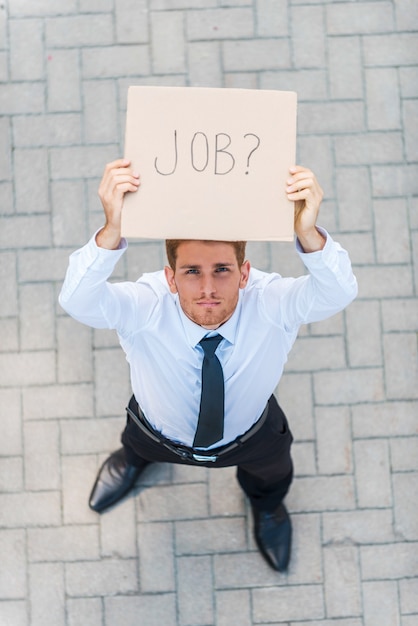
[109, 238]
[311, 241]
[85, 287]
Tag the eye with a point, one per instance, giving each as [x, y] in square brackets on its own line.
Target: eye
[222, 269]
[192, 271]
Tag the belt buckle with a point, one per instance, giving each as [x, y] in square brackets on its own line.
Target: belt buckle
[202, 458]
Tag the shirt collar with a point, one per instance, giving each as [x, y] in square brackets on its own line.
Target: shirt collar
[195, 333]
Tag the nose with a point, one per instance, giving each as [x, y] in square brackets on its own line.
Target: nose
[207, 286]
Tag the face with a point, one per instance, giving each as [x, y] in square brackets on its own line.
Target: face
[207, 279]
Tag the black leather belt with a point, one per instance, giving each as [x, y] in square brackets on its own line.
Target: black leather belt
[190, 453]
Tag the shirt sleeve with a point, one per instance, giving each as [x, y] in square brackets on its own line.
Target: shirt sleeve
[327, 289]
[90, 298]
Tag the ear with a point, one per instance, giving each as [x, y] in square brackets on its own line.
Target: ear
[245, 274]
[169, 276]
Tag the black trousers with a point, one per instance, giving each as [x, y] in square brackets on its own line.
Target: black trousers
[264, 465]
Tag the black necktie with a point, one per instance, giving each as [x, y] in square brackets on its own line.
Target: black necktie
[210, 427]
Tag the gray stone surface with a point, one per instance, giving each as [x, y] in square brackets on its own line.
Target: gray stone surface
[179, 551]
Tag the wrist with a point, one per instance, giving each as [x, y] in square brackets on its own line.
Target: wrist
[109, 237]
[311, 241]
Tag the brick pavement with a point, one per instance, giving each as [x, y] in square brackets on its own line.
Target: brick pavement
[181, 553]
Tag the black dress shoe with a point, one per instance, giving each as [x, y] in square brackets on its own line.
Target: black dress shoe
[115, 478]
[273, 534]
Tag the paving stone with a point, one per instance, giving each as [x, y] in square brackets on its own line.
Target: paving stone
[372, 473]
[42, 460]
[308, 41]
[92, 578]
[112, 391]
[225, 496]
[11, 474]
[321, 494]
[52, 402]
[88, 611]
[309, 84]
[364, 333]
[401, 366]
[65, 543]
[100, 123]
[354, 195]
[272, 18]
[330, 117]
[195, 590]
[256, 54]
[157, 569]
[385, 420]
[118, 536]
[358, 527]
[383, 102]
[78, 476]
[409, 595]
[20, 510]
[384, 281]
[210, 536]
[399, 315]
[404, 454]
[174, 502]
[409, 116]
[227, 23]
[24, 66]
[342, 581]
[169, 55]
[366, 148]
[204, 64]
[406, 523]
[131, 21]
[391, 216]
[381, 603]
[13, 574]
[75, 360]
[153, 609]
[389, 561]
[8, 303]
[397, 49]
[311, 353]
[290, 603]
[349, 386]
[22, 368]
[78, 31]
[115, 61]
[345, 68]
[47, 594]
[36, 302]
[14, 613]
[334, 448]
[233, 607]
[10, 416]
[363, 17]
[65, 97]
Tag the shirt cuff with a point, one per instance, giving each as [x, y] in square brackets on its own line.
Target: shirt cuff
[97, 258]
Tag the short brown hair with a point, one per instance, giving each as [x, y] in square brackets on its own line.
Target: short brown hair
[171, 246]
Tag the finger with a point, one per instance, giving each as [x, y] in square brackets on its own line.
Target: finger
[298, 183]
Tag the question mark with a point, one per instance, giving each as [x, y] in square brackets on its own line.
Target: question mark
[253, 150]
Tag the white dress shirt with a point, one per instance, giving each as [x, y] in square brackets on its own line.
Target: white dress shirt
[161, 342]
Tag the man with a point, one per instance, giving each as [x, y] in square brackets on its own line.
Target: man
[206, 340]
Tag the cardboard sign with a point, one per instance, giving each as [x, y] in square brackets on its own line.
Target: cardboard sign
[213, 163]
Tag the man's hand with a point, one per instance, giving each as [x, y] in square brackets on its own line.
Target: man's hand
[304, 190]
[117, 180]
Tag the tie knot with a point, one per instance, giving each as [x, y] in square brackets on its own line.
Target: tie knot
[209, 345]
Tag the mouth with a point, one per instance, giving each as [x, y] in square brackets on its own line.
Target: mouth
[208, 304]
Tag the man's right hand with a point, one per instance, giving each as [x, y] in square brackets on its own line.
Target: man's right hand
[118, 179]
